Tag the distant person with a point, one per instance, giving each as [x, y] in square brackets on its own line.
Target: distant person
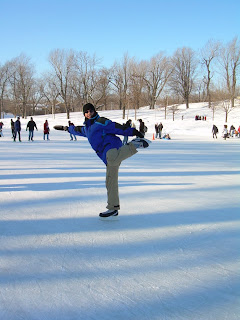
[232, 130]
[225, 132]
[12, 128]
[160, 127]
[142, 127]
[1, 127]
[214, 131]
[166, 136]
[239, 131]
[72, 135]
[30, 127]
[46, 130]
[17, 128]
[128, 124]
[156, 130]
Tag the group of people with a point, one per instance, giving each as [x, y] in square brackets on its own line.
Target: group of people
[158, 130]
[225, 133]
[31, 126]
[197, 117]
[129, 124]
[16, 129]
[143, 129]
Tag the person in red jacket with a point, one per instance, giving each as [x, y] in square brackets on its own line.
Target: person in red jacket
[46, 130]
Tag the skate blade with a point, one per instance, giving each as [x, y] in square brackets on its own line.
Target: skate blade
[111, 218]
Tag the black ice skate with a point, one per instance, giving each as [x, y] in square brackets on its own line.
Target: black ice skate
[140, 143]
[109, 215]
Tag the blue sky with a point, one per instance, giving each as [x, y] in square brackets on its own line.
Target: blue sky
[110, 29]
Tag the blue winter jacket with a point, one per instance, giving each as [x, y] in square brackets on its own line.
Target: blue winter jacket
[17, 125]
[101, 133]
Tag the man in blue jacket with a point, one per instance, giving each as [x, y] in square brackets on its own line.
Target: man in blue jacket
[17, 128]
[101, 133]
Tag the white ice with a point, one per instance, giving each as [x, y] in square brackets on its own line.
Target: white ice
[172, 254]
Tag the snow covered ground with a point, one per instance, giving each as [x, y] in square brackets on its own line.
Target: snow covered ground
[172, 254]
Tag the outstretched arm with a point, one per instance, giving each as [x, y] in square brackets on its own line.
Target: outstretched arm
[117, 128]
[78, 130]
[126, 131]
[61, 128]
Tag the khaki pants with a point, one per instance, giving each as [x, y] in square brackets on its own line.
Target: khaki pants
[114, 159]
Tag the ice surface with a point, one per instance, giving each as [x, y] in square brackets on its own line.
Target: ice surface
[173, 253]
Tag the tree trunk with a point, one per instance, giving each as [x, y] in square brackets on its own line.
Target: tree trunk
[226, 116]
[187, 102]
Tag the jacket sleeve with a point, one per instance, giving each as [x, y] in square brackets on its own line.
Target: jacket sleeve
[116, 128]
[77, 130]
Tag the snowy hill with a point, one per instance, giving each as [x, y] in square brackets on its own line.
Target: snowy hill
[173, 254]
[183, 125]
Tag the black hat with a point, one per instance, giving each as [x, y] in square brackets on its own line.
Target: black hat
[88, 106]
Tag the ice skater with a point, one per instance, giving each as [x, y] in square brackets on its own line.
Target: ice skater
[30, 126]
[102, 136]
[214, 131]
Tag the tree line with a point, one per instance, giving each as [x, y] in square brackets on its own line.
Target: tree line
[75, 78]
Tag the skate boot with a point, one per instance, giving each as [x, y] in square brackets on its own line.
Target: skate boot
[109, 215]
[140, 143]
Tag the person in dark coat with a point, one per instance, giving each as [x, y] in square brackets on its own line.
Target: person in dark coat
[141, 127]
[17, 128]
[156, 130]
[102, 135]
[214, 131]
[30, 126]
[12, 128]
[127, 124]
[160, 127]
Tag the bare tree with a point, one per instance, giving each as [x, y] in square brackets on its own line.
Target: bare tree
[227, 107]
[230, 60]
[116, 80]
[120, 79]
[199, 89]
[22, 82]
[182, 79]
[214, 105]
[126, 79]
[208, 54]
[85, 77]
[102, 90]
[137, 84]
[50, 92]
[158, 72]
[63, 63]
[36, 94]
[174, 109]
[5, 74]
